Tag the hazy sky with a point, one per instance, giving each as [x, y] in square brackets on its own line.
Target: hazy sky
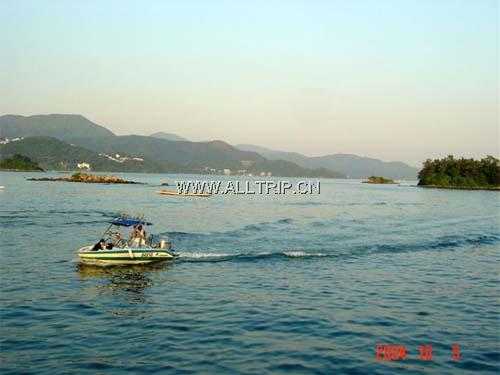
[398, 80]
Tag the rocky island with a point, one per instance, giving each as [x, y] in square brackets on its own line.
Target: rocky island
[378, 180]
[88, 179]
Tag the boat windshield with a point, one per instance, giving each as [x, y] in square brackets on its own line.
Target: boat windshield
[128, 222]
[116, 234]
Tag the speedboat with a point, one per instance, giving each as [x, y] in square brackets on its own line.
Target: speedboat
[120, 251]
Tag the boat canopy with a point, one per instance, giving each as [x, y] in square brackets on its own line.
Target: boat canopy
[128, 222]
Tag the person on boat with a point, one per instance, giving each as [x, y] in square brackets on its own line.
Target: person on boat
[133, 236]
[109, 246]
[101, 245]
[141, 235]
[138, 236]
[144, 235]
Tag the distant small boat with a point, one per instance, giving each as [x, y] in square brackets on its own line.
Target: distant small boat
[1, 187]
[175, 193]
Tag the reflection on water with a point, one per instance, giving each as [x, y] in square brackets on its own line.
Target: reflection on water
[129, 283]
[89, 271]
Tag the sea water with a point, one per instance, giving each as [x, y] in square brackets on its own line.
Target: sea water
[277, 284]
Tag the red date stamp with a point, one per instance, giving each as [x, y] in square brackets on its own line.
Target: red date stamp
[455, 352]
[425, 352]
[390, 352]
[397, 352]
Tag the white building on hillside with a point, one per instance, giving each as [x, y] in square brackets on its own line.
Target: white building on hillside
[83, 166]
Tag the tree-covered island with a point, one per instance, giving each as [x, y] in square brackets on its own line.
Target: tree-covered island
[19, 163]
[451, 173]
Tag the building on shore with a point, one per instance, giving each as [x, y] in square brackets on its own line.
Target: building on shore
[83, 165]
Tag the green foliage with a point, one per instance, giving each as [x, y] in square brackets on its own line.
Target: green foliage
[20, 163]
[463, 173]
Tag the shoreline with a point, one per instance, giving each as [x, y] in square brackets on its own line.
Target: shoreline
[21, 170]
[380, 183]
[493, 188]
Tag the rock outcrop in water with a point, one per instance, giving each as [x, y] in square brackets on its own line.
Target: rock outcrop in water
[378, 180]
[87, 178]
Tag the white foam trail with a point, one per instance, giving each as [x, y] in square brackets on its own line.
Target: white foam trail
[298, 254]
[291, 254]
[196, 255]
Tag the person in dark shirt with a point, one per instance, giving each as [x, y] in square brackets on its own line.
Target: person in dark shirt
[101, 245]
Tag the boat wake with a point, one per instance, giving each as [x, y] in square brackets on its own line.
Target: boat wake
[221, 257]
[441, 244]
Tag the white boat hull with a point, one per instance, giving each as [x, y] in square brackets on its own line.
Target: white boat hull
[177, 194]
[125, 256]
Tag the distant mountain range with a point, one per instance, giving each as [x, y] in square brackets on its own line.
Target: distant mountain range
[72, 139]
[352, 166]
[62, 141]
[169, 137]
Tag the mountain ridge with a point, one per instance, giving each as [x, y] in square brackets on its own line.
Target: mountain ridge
[353, 166]
[61, 126]
[197, 157]
[55, 154]
[169, 137]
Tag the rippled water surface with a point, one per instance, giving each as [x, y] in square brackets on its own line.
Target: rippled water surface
[263, 285]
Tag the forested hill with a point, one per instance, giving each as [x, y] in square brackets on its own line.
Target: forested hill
[461, 173]
[19, 163]
[54, 154]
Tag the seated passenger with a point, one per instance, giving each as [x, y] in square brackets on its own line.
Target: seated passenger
[101, 245]
[109, 246]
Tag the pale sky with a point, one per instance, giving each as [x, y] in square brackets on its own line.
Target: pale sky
[396, 80]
